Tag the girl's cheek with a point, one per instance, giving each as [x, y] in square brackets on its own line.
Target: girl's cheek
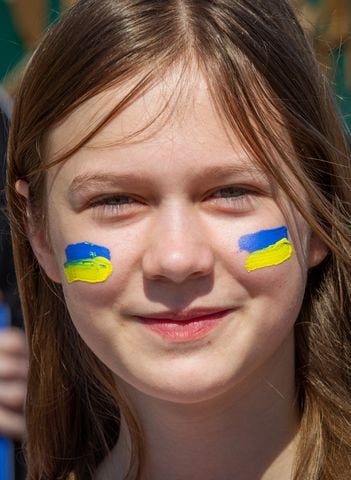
[92, 274]
[88, 263]
[266, 248]
[265, 261]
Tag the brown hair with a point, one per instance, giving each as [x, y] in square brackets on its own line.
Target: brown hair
[260, 68]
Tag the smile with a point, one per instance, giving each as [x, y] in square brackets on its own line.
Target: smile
[184, 326]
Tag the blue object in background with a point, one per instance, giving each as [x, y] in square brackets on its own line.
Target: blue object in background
[6, 446]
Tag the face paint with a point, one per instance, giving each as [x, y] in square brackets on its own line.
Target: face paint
[87, 262]
[266, 248]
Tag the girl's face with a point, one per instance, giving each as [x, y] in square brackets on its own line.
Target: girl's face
[174, 303]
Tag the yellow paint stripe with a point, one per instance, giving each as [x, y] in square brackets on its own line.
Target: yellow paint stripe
[91, 270]
[273, 255]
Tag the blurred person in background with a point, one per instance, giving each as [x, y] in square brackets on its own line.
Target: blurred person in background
[13, 355]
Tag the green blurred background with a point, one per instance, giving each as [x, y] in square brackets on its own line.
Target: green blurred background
[22, 22]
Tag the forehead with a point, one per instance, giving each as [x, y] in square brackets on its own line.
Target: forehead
[174, 118]
[173, 109]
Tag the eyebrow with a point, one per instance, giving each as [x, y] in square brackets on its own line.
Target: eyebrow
[87, 181]
[110, 179]
[217, 172]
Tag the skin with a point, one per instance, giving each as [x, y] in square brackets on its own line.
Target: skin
[13, 382]
[222, 406]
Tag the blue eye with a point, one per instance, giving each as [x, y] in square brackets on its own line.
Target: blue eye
[114, 205]
[230, 192]
[116, 200]
[232, 199]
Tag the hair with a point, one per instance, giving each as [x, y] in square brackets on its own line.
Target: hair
[260, 70]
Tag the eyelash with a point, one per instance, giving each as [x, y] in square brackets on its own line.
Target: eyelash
[240, 202]
[107, 206]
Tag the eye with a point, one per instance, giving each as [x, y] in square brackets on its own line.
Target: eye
[116, 200]
[230, 192]
[233, 198]
[114, 205]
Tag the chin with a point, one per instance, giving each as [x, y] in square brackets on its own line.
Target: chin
[184, 387]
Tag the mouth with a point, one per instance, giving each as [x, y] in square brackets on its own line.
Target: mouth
[186, 325]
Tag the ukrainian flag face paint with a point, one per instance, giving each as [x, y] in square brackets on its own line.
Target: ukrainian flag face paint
[87, 262]
[266, 248]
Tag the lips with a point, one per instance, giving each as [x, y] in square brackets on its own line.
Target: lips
[184, 325]
[185, 315]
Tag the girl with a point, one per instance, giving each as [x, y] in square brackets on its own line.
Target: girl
[179, 187]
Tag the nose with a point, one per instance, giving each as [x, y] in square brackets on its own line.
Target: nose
[178, 250]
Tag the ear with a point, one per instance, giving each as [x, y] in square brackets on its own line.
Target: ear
[318, 251]
[38, 238]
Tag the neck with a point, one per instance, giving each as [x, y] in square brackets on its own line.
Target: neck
[248, 433]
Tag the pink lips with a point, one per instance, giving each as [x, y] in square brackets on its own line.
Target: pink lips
[184, 326]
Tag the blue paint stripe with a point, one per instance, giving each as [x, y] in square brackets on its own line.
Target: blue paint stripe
[6, 447]
[262, 239]
[6, 459]
[79, 251]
